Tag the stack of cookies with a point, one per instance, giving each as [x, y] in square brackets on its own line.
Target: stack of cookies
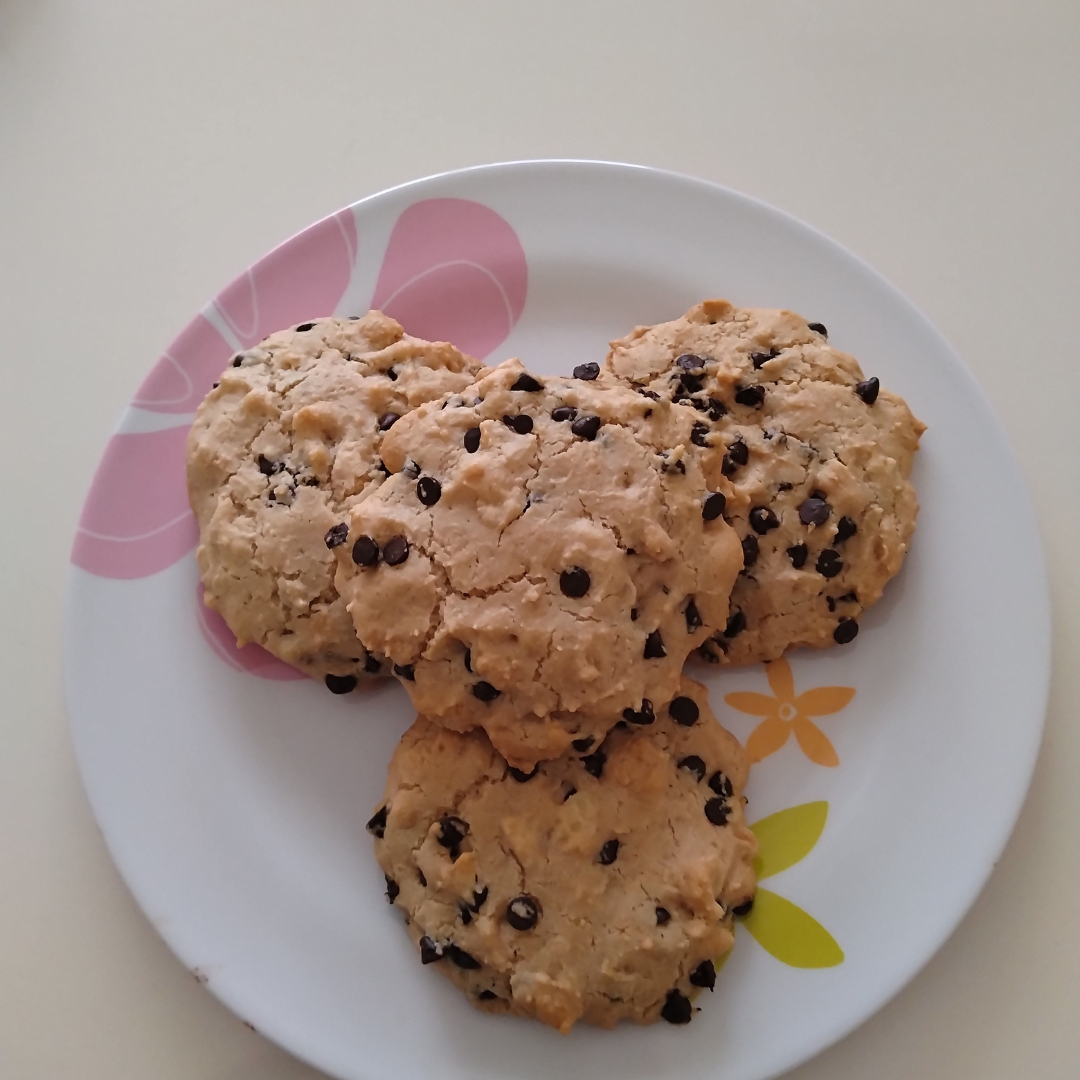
[536, 558]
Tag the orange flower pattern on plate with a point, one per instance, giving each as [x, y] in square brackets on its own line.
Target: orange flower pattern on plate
[784, 713]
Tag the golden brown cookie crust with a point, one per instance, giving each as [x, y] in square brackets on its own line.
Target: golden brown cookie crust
[798, 420]
[499, 494]
[598, 888]
[279, 451]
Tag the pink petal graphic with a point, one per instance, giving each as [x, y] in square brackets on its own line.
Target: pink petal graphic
[454, 270]
[136, 519]
[302, 279]
[253, 659]
[185, 374]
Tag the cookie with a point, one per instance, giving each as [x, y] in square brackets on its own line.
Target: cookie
[544, 557]
[599, 887]
[280, 450]
[818, 456]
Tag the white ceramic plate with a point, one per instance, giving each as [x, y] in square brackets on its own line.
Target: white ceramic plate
[233, 795]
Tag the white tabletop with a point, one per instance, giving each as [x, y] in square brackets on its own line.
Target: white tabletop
[148, 153]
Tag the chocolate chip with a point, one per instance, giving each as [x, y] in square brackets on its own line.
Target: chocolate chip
[268, 467]
[405, 671]
[845, 530]
[654, 646]
[393, 889]
[818, 328]
[340, 684]
[716, 408]
[428, 490]
[372, 665]
[391, 374]
[588, 372]
[216, 385]
[336, 535]
[429, 951]
[377, 825]
[460, 958]
[690, 362]
[721, 785]
[677, 1008]
[690, 384]
[644, 715]
[744, 908]
[587, 426]
[751, 396]
[695, 765]
[829, 563]
[395, 551]
[684, 711]
[484, 691]
[464, 912]
[472, 440]
[759, 359]
[581, 745]
[388, 420]
[814, 511]
[762, 520]
[608, 853]
[717, 811]
[594, 763]
[479, 899]
[304, 326]
[522, 424]
[452, 830]
[713, 505]
[237, 360]
[487, 995]
[528, 384]
[698, 434]
[663, 916]
[574, 582]
[736, 624]
[650, 394]
[563, 412]
[846, 630]
[693, 617]
[868, 390]
[749, 550]
[738, 454]
[704, 975]
[523, 912]
[365, 551]
[797, 555]
[521, 776]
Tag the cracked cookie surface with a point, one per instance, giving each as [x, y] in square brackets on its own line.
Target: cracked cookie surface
[818, 457]
[542, 558]
[279, 451]
[599, 887]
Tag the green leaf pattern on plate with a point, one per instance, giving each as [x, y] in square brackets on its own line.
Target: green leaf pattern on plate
[780, 927]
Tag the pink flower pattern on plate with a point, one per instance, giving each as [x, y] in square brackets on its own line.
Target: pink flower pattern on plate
[454, 271]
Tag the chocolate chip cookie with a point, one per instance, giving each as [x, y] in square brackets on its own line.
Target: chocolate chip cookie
[597, 887]
[545, 556]
[817, 454]
[280, 450]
